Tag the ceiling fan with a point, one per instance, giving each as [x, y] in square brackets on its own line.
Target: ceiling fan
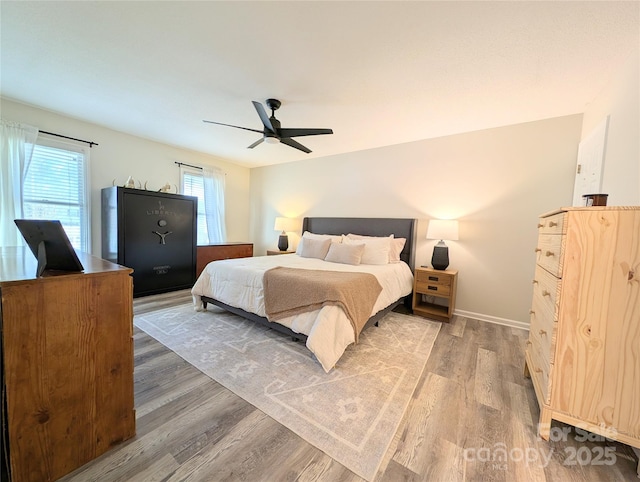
[272, 132]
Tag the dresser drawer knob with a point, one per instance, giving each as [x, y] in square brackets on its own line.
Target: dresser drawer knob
[549, 253]
[540, 225]
[552, 224]
[535, 281]
[545, 293]
[537, 250]
[528, 343]
[531, 312]
[538, 370]
[542, 332]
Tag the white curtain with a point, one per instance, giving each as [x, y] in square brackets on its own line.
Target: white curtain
[214, 203]
[16, 148]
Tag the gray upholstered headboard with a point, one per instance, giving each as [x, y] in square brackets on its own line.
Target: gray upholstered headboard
[399, 227]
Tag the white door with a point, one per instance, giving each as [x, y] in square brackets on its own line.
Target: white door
[590, 162]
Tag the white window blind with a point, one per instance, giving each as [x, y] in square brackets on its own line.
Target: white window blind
[55, 187]
[193, 185]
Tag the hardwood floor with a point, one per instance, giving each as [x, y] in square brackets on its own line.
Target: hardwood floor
[472, 417]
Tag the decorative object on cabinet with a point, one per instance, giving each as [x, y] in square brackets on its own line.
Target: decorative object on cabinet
[131, 184]
[438, 284]
[67, 360]
[595, 199]
[152, 232]
[284, 225]
[215, 252]
[442, 229]
[582, 352]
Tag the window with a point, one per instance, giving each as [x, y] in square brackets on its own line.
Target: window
[55, 187]
[193, 185]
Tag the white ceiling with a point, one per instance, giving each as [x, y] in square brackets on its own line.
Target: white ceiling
[377, 73]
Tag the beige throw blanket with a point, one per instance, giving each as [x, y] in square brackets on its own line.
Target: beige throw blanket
[291, 291]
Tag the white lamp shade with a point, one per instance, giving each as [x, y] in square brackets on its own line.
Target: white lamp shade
[285, 224]
[445, 229]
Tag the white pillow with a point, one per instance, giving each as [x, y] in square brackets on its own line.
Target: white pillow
[345, 253]
[376, 250]
[315, 248]
[397, 245]
[307, 234]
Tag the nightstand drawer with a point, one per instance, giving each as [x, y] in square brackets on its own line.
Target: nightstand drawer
[435, 289]
[432, 278]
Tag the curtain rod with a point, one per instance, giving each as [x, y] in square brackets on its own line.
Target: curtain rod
[188, 165]
[91, 143]
[195, 167]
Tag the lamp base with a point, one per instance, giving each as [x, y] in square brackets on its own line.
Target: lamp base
[440, 258]
[283, 242]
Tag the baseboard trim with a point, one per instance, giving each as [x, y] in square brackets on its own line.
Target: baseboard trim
[492, 319]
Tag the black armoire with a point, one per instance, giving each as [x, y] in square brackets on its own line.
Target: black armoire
[152, 232]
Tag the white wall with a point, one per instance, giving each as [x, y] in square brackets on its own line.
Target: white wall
[621, 100]
[120, 155]
[496, 182]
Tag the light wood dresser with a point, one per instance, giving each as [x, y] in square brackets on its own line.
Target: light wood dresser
[583, 352]
[67, 364]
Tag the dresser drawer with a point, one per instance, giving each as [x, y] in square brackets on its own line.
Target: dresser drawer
[549, 253]
[546, 289]
[543, 330]
[430, 288]
[552, 224]
[540, 369]
[432, 278]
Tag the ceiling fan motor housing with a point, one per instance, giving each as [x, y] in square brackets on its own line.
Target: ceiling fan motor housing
[275, 123]
[273, 104]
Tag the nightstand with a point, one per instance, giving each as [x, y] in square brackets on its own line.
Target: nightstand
[434, 293]
[273, 252]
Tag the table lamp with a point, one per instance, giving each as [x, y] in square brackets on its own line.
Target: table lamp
[442, 229]
[284, 225]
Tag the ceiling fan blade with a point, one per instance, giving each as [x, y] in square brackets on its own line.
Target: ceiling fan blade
[303, 132]
[263, 116]
[259, 141]
[229, 125]
[297, 145]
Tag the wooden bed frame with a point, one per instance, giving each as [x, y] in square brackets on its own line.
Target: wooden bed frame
[399, 227]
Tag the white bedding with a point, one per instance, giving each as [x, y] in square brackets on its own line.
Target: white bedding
[238, 283]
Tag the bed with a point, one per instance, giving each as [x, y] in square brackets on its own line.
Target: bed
[238, 285]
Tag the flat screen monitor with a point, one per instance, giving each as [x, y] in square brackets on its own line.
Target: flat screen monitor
[49, 244]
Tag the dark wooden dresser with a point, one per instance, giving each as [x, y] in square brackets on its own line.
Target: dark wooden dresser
[214, 252]
[154, 234]
[67, 364]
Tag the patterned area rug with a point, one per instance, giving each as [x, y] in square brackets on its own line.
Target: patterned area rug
[351, 413]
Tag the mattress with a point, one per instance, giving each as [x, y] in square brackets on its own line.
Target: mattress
[238, 283]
